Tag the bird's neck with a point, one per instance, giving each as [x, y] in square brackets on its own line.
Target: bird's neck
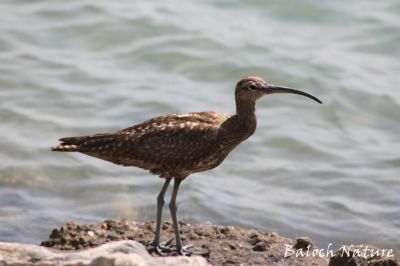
[245, 108]
[245, 123]
[239, 126]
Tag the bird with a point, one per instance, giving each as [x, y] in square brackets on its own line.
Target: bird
[176, 145]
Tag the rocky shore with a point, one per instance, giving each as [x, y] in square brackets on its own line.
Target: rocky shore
[123, 242]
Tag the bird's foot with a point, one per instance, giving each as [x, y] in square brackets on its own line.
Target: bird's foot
[165, 249]
[185, 250]
[162, 248]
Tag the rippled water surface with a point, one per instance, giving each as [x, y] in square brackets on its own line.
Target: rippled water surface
[328, 171]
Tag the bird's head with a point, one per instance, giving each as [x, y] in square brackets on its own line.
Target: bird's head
[252, 88]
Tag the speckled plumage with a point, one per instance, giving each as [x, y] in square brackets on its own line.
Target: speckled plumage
[176, 145]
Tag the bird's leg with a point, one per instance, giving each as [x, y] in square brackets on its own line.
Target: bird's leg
[160, 203]
[172, 206]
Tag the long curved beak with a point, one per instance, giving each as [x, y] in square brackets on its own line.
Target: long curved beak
[277, 89]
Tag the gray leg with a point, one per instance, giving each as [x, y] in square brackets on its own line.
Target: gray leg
[160, 204]
[173, 208]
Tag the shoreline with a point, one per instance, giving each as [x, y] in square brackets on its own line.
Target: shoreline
[228, 245]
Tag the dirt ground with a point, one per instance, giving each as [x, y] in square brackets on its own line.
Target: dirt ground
[225, 245]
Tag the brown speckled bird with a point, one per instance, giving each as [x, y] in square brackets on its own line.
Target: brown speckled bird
[177, 145]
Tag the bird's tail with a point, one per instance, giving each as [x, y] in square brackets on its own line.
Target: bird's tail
[80, 144]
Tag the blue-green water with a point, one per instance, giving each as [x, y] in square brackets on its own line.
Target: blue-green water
[328, 171]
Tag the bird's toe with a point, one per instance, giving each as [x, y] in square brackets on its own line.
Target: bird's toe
[161, 249]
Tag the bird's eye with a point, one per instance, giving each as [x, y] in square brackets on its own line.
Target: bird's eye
[252, 87]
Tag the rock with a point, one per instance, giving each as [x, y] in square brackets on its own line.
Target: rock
[303, 243]
[121, 253]
[362, 255]
[260, 246]
[225, 244]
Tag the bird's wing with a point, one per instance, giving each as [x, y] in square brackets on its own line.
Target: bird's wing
[165, 141]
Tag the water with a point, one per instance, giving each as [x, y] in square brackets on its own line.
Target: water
[328, 171]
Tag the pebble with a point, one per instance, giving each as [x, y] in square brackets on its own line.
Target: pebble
[224, 230]
[104, 226]
[199, 232]
[193, 236]
[113, 237]
[303, 243]
[164, 226]
[253, 233]
[255, 240]
[260, 246]
[274, 234]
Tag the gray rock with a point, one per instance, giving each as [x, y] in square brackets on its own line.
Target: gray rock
[126, 253]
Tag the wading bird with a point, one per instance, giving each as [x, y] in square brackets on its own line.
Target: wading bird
[177, 145]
